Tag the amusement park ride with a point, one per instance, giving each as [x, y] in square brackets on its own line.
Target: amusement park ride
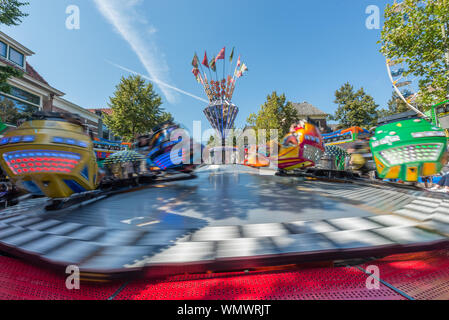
[221, 112]
[50, 155]
[220, 220]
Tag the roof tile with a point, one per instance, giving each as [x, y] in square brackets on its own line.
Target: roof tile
[306, 109]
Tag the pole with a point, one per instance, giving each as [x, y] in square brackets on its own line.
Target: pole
[205, 84]
[215, 62]
[224, 68]
[223, 151]
[208, 68]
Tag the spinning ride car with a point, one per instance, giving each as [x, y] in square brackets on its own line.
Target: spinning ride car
[50, 155]
[345, 136]
[124, 164]
[303, 147]
[335, 157]
[409, 149]
[104, 149]
[160, 153]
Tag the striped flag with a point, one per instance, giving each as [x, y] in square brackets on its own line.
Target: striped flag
[212, 65]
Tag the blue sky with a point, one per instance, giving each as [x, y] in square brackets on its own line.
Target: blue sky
[305, 49]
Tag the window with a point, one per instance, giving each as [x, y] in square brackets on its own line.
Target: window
[3, 49]
[12, 110]
[105, 132]
[16, 57]
[24, 95]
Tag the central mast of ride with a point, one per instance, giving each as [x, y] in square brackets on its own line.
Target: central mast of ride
[220, 112]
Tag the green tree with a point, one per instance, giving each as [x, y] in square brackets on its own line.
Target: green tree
[166, 117]
[212, 140]
[136, 109]
[10, 15]
[395, 105]
[275, 113]
[8, 112]
[417, 32]
[5, 73]
[355, 108]
[215, 139]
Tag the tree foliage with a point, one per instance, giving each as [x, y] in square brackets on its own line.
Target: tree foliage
[417, 32]
[136, 109]
[5, 73]
[8, 112]
[275, 113]
[11, 115]
[11, 13]
[395, 105]
[355, 108]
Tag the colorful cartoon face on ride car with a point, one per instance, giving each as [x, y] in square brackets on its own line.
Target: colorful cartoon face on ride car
[303, 147]
[409, 149]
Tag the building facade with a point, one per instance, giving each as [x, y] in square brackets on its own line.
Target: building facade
[313, 114]
[32, 92]
[103, 131]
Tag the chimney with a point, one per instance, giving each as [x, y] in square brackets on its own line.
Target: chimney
[48, 103]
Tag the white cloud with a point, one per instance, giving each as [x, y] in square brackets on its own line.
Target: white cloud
[123, 15]
[160, 83]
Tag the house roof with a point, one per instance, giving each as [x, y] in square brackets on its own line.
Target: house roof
[34, 74]
[16, 44]
[29, 70]
[306, 109]
[105, 110]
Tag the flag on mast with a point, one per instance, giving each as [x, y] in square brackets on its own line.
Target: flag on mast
[205, 60]
[212, 65]
[195, 61]
[231, 57]
[196, 72]
[238, 62]
[221, 55]
[244, 68]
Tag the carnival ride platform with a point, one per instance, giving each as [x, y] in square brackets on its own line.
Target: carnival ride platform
[230, 218]
[416, 276]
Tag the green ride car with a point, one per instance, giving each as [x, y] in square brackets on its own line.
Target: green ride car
[409, 149]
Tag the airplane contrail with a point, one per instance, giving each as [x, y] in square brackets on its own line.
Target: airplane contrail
[158, 82]
[126, 19]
